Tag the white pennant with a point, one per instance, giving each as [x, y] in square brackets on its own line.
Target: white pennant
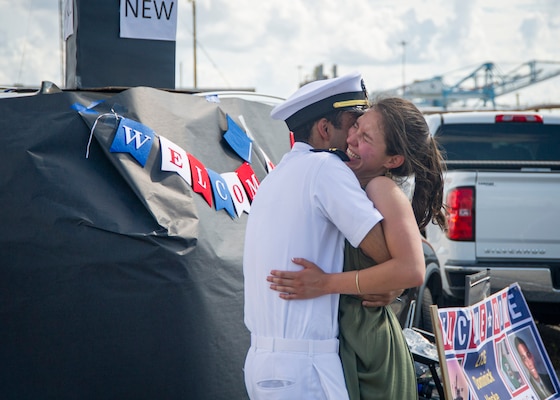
[175, 159]
[269, 164]
[238, 194]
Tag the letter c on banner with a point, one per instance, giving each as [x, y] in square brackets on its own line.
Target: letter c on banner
[222, 190]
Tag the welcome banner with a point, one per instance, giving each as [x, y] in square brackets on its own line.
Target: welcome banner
[231, 191]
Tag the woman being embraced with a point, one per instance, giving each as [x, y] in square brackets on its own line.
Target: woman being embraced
[388, 145]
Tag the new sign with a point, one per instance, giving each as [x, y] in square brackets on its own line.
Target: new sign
[149, 19]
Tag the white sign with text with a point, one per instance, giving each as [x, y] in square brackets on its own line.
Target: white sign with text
[148, 19]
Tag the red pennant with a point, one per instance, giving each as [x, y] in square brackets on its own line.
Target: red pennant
[200, 180]
[248, 179]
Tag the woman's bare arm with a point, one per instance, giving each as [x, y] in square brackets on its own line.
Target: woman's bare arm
[405, 268]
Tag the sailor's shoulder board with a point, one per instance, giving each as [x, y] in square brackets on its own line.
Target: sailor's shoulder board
[341, 154]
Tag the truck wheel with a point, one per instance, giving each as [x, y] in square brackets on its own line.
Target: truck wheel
[425, 316]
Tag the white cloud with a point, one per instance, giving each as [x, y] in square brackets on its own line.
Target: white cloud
[272, 45]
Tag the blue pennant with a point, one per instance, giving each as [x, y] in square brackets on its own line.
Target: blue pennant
[222, 196]
[88, 110]
[134, 138]
[238, 140]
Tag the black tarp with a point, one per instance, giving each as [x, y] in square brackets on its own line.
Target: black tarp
[117, 281]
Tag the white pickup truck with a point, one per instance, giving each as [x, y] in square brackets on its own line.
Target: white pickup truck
[502, 190]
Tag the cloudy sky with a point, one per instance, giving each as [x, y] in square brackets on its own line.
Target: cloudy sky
[273, 45]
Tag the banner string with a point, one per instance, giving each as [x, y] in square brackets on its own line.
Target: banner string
[111, 114]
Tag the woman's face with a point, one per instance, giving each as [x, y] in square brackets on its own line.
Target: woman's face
[366, 147]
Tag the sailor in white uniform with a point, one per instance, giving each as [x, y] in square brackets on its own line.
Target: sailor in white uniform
[304, 208]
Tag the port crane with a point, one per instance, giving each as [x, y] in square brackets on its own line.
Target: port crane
[485, 82]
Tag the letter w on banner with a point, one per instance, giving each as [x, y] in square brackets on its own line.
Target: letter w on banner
[134, 138]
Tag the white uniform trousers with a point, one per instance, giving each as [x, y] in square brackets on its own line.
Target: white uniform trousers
[288, 369]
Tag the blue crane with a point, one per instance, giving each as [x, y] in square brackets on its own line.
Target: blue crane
[486, 82]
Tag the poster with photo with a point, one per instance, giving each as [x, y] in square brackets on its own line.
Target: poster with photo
[493, 350]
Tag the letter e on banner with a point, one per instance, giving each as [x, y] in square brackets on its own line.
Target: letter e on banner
[200, 179]
[238, 194]
[174, 159]
[248, 179]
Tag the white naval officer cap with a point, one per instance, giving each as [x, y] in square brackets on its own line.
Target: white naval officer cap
[318, 98]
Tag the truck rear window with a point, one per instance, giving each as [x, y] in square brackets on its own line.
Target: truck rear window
[521, 143]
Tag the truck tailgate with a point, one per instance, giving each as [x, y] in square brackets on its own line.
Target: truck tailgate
[517, 215]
